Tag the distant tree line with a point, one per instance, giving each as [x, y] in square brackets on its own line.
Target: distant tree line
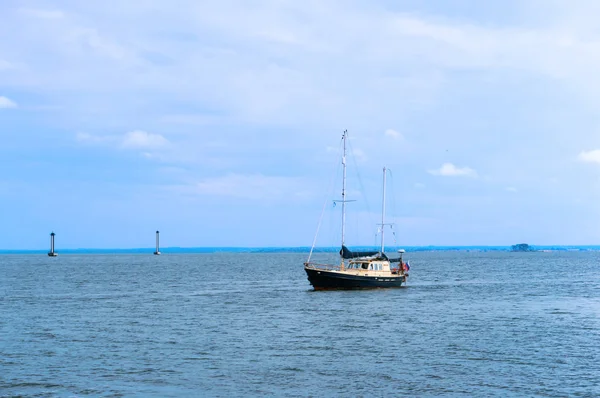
[522, 247]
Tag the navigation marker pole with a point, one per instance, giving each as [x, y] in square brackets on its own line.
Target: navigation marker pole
[157, 252]
[52, 253]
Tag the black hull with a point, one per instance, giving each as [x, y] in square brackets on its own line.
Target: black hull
[327, 280]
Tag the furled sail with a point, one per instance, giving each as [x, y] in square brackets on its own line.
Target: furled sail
[347, 254]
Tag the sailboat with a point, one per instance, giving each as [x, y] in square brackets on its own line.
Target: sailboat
[371, 269]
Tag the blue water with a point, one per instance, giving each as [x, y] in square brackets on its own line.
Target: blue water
[467, 324]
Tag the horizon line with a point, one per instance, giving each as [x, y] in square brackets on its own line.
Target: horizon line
[208, 249]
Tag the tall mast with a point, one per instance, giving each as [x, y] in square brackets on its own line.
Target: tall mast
[383, 212]
[344, 190]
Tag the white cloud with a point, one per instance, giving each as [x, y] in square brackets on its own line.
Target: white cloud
[132, 140]
[42, 14]
[359, 154]
[274, 65]
[87, 138]
[393, 134]
[250, 186]
[592, 156]
[450, 170]
[5, 65]
[191, 119]
[143, 139]
[248, 77]
[102, 46]
[7, 103]
[283, 78]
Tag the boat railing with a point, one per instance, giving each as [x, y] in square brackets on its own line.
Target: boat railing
[324, 267]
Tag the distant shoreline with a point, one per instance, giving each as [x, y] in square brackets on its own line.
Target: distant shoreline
[199, 250]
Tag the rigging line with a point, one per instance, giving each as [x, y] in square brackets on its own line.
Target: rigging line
[394, 213]
[393, 206]
[363, 191]
[334, 233]
[362, 187]
[331, 183]
[317, 233]
[356, 228]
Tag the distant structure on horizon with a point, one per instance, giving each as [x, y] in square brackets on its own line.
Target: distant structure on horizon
[522, 247]
[157, 252]
[51, 253]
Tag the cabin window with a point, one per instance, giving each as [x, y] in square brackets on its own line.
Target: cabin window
[364, 265]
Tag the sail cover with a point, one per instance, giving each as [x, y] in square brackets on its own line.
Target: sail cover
[347, 254]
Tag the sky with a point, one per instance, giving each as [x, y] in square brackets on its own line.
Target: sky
[219, 123]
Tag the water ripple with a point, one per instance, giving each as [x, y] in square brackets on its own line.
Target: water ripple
[467, 324]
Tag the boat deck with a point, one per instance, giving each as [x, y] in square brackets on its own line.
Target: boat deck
[394, 272]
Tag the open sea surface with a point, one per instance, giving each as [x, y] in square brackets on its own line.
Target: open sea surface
[467, 324]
